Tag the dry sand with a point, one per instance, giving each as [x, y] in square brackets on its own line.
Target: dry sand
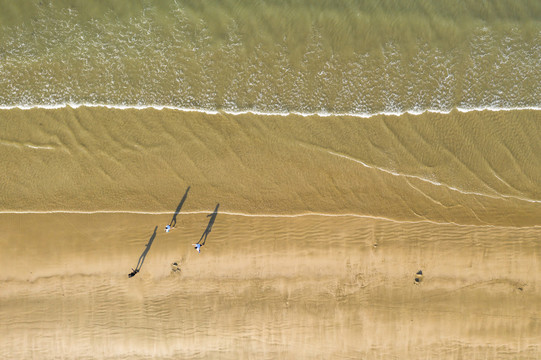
[307, 287]
[280, 283]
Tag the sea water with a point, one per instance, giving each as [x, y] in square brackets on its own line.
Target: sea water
[324, 57]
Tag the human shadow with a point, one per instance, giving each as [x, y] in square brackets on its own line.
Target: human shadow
[209, 226]
[143, 255]
[174, 219]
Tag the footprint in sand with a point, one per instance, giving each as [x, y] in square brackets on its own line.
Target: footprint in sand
[175, 267]
[419, 277]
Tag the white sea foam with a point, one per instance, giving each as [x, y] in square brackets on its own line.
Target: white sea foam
[39, 147]
[31, 146]
[107, 106]
[262, 113]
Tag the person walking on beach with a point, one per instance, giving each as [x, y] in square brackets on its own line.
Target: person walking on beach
[207, 230]
[132, 274]
[173, 222]
[143, 255]
[198, 247]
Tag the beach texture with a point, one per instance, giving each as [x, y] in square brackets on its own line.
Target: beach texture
[377, 168]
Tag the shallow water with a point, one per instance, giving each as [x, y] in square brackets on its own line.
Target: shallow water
[325, 57]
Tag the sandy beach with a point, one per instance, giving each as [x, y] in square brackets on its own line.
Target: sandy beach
[323, 224]
[304, 287]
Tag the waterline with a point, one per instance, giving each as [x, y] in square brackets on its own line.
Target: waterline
[261, 113]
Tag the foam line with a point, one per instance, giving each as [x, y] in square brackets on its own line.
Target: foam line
[256, 112]
[31, 146]
[436, 183]
[39, 147]
[229, 213]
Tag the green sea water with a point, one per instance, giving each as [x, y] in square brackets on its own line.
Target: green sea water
[356, 57]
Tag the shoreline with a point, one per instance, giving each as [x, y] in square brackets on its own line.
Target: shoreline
[276, 216]
[262, 113]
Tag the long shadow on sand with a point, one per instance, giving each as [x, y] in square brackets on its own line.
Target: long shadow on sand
[209, 226]
[144, 254]
[174, 219]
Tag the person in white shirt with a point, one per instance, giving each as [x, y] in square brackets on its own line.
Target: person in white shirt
[197, 247]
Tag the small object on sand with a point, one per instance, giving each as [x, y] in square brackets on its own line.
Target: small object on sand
[175, 267]
[167, 228]
[197, 247]
[419, 276]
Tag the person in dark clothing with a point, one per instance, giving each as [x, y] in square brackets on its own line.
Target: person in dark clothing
[132, 274]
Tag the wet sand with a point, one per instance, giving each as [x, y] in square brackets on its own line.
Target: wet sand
[323, 224]
[469, 168]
